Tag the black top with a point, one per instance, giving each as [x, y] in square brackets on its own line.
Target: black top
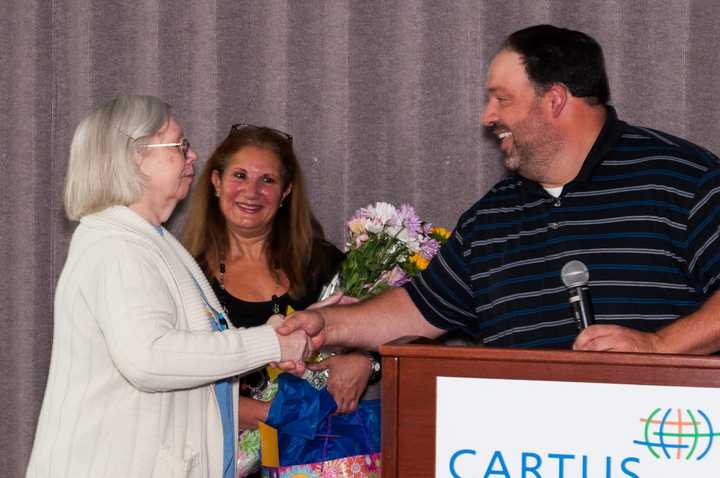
[252, 314]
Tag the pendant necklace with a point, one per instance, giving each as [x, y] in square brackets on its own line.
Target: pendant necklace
[275, 304]
[274, 298]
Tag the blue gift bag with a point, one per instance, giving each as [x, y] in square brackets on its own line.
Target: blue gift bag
[308, 432]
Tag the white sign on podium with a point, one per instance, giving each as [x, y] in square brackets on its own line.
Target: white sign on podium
[492, 428]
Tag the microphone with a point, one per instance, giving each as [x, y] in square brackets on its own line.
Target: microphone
[575, 276]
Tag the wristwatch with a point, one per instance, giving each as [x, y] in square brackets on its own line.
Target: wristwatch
[375, 370]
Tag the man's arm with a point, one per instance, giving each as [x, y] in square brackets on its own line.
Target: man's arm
[697, 333]
[365, 325]
[369, 324]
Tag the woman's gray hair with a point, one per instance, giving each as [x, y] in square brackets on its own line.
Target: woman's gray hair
[103, 170]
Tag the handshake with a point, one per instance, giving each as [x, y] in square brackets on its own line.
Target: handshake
[303, 333]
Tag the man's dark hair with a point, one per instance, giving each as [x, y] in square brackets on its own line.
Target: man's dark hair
[558, 55]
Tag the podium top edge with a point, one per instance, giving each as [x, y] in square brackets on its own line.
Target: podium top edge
[426, 349]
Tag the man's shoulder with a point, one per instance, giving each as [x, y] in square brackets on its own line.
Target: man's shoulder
[509, 184]
[504, 194]
[638, 142]
[504, 191]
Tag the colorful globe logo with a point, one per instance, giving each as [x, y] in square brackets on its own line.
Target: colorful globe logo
[677, 434]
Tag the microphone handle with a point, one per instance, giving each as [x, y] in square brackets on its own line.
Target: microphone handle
[582, 307]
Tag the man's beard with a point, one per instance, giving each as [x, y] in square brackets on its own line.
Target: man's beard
[535, 145]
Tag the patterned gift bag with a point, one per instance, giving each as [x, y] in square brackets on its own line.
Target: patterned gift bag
[359, 466]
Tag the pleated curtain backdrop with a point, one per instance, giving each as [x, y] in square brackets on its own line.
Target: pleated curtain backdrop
[383, 99]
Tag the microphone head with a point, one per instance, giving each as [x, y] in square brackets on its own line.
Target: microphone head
[574, 274]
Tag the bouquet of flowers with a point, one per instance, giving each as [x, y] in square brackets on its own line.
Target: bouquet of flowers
[386, 247]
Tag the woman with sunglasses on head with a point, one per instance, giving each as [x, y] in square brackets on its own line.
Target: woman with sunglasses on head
[251, 229]
[141, 379]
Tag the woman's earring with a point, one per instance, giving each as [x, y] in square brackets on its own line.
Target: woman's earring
[217, 193]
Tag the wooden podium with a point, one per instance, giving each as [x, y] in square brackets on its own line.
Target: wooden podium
[409, 386]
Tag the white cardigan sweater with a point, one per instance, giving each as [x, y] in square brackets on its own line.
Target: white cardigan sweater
[130, 389]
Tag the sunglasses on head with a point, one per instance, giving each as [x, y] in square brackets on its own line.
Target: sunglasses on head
[236, 128]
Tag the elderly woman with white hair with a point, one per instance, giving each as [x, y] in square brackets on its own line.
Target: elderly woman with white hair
[141, 374]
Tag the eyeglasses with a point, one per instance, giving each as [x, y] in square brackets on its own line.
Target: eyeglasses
[236, 128]
[184, 145]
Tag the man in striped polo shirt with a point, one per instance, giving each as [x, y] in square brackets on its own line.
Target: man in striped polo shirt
[639, 207]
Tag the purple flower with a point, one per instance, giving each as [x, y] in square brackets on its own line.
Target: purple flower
[429, 248]
[410, 219]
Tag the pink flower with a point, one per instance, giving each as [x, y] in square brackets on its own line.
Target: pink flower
[359, 240]
[395, 277]
[356, 224]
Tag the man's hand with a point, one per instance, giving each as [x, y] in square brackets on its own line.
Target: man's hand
[348, 377]
[614, 338]
[308, 321]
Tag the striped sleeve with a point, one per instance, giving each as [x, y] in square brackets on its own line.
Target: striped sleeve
[442, 292]
[703, 234]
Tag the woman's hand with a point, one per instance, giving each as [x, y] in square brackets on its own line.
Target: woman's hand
[251, 411]
[295, 348]
[295, 343]
[275, 321]
[347, 380]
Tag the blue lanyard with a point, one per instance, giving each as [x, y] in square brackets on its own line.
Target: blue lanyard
[218, 317]
[223, 391]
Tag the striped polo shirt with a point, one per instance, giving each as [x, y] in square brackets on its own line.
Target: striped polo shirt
[643, 215]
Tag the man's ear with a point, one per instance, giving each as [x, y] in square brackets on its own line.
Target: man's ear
[558, 96]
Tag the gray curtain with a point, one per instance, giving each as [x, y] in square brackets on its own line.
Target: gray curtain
[383, 99]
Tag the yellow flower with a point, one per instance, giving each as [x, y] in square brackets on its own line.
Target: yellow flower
[442, 232]
[419, 261]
